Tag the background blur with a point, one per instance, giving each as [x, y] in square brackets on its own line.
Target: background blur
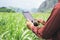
[30, 5]
[13, 23]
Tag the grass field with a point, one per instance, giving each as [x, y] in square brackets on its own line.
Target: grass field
[13, 26]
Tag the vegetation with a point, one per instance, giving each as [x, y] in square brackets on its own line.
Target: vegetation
[13, 26]
[4, 9]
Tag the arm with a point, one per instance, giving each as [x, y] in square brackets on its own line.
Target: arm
[50, 28]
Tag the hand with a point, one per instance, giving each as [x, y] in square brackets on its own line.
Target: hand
[29, 24]
[41, 21]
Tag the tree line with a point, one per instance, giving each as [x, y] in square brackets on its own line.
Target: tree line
[4, 9]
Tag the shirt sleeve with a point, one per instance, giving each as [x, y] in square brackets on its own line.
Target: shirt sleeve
[50, 28]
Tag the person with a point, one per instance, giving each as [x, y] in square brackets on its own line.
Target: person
[51, 28]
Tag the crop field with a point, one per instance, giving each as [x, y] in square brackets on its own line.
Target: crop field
[13, 26]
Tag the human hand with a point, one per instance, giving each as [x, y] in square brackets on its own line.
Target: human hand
[29, 24]
[41, 21]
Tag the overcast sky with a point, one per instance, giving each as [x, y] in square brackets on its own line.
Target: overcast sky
[25, 4]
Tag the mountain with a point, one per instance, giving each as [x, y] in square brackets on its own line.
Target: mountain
[47, 5]
[34, 10]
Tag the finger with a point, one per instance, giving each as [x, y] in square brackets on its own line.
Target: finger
[28, 20]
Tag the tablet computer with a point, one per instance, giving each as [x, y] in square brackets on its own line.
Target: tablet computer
[28, 15]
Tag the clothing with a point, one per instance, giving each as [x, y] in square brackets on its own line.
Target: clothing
[51, 29]
[58, 0]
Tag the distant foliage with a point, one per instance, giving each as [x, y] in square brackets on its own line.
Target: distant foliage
[4, 9]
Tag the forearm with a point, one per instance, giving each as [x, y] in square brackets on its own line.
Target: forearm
[35, 30]
[38, 31]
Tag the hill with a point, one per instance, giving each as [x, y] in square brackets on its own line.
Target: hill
[47, 5]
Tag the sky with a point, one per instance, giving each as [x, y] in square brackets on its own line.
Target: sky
[24, 4]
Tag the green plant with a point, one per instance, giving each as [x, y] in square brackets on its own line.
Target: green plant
[13, 27]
